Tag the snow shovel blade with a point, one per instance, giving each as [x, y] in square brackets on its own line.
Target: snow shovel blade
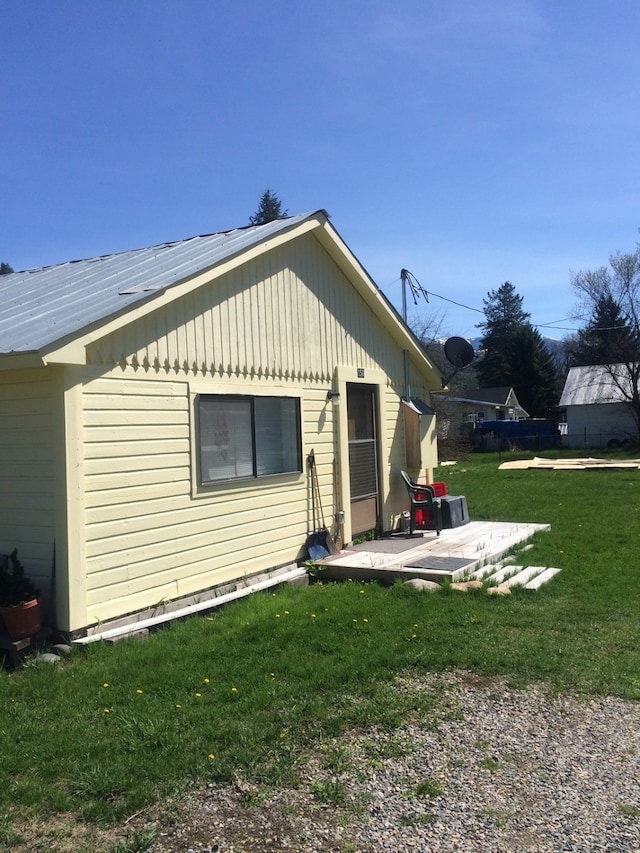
[317, 545]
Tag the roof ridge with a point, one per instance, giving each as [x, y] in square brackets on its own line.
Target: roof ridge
[166, 244]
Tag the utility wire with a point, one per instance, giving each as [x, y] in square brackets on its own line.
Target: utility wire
[416, 288]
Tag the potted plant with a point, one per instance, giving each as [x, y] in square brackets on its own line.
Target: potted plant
[19, 599]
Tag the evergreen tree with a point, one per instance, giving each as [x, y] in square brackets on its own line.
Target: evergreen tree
[515, 354]
[5, 268]
[535, 375]
[607, 337]
[269, 208]
[504, 319]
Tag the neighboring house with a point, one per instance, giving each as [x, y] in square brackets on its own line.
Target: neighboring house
[596, 414]
[157, 409]
[460, 413]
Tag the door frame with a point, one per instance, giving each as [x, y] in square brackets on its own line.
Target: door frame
[362, 376]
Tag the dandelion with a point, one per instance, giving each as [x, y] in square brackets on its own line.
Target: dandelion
[211, 756]
[355, 620]
[198, 695]
[139, 692]
[106, 684]
[286, 612]
[282, 735]
[234, 689]
[313, 615]
[277, 615]
[361, 592]
[205, 680]
[107, 710]
[178, 706]
[365, 620]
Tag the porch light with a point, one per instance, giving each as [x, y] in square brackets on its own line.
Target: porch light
[333, 397]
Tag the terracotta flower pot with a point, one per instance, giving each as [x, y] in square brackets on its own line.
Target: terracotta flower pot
[21, 621]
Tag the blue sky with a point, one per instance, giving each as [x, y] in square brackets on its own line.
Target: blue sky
[469, 141]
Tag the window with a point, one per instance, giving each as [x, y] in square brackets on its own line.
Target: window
[243, 437]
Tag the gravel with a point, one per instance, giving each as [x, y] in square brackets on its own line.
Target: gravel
[492, 769]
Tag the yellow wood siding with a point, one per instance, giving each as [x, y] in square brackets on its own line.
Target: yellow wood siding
[290, 313]
[149, 538]
[26, 474]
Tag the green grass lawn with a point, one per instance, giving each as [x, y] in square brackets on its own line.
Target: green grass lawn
[250, 688]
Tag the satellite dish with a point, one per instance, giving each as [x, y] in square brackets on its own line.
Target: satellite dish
[459, 352]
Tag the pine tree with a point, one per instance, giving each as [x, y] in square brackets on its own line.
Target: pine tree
[269, 208]
[504, 319]
[606, 339]
[515, 354]
[5, 268]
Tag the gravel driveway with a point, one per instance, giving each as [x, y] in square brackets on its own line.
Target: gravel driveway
[496, 770]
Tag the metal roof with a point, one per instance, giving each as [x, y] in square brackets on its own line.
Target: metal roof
[594, 383]
[497, 396]
[41, 306]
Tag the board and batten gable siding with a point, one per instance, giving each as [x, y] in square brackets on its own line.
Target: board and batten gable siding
[27, 487]
[151, 535]
[289, 313]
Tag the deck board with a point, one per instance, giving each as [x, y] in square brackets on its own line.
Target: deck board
[467, 548]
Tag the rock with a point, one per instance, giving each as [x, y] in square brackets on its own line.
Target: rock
[423, 585]
[501, 589]
[467, 586]
[48, 658]
[61, 649]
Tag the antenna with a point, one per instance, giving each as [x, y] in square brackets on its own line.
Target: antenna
[416, 290]
[459, 352]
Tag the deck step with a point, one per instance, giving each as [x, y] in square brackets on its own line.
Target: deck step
[523, 576]
[531, 577]
[543, 577]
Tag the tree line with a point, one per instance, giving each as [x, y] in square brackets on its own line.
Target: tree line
[513, 353]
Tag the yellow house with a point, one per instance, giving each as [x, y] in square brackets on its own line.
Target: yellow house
[158, 407]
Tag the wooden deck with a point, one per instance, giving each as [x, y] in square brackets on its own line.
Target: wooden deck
[456, 554]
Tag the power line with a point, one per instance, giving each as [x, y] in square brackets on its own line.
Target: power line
[417, 289]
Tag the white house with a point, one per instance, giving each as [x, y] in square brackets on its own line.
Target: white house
[596, 414]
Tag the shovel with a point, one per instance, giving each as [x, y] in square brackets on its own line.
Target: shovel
[319, 543]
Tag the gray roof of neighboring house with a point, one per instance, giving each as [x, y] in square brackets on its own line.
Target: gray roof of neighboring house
[585, 386]
[497, 396]
[41, 306]
[503, 396]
